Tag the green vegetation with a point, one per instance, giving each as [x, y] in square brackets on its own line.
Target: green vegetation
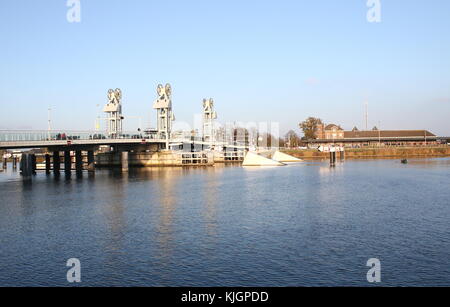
[309, 127]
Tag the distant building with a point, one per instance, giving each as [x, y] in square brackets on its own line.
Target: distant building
[334, 134]
[329, 132]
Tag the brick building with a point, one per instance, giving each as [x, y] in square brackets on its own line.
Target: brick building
[334, 134]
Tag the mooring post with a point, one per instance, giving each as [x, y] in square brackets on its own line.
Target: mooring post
[56, 162]
[78, 161]
[124, 161]
[342, 153]
[332, 157]
[91, 161]
[47, 164]
[67, 162]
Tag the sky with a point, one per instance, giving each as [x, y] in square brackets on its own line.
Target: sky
[279, 61]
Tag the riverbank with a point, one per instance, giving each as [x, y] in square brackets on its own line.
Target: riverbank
[375, 153]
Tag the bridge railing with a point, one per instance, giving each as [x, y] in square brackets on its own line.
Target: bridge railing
[62, 135]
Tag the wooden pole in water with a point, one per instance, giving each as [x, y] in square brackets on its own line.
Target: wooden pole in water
[333, 158]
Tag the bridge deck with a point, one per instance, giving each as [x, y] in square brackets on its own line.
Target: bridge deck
[62, 143]
[45, 139]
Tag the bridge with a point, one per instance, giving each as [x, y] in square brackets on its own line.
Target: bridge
[116, 145]
[20, 139]
[29, 139]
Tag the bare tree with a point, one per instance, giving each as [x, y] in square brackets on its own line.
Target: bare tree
[292, 139]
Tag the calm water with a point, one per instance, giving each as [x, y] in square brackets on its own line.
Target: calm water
[230, 226]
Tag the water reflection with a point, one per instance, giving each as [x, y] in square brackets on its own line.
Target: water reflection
[210, 193]
[167, 201]
[296, 225]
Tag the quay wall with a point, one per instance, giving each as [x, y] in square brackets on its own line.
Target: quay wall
[376, 153]
[150, 159]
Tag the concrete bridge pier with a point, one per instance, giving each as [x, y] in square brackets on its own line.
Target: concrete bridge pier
[27, 166]
[124, 161]
[47, 164]
[78, 161]
[91, 161]
[56, 162]
[67, 162]
[33, 164]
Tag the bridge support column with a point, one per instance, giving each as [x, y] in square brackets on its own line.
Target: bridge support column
[124, 161]
[33, 164]
[27, 166]
[47, 164]
[78, 161]
[67, 162]
[56, 162]
[91, 161]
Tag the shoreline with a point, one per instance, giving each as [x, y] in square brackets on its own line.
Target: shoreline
[375, 153]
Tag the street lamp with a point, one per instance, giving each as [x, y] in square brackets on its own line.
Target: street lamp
[49, 122]
[379, 134]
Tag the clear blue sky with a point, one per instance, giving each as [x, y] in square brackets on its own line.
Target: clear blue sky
[260, 60]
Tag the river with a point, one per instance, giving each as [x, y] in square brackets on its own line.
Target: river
[298, 225]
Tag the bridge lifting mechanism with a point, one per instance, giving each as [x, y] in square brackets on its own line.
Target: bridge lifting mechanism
[165, 116]
[114, 113]
[209, 115]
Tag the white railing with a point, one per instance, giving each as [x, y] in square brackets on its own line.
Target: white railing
[62, 135]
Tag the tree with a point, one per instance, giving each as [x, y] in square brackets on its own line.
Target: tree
[292, 139]
[310, 126]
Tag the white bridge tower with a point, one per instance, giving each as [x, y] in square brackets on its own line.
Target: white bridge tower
[209, 115]
[165, 116]
[114, 113]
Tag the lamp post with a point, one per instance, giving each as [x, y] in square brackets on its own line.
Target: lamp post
[49, 123]
[379, 134]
